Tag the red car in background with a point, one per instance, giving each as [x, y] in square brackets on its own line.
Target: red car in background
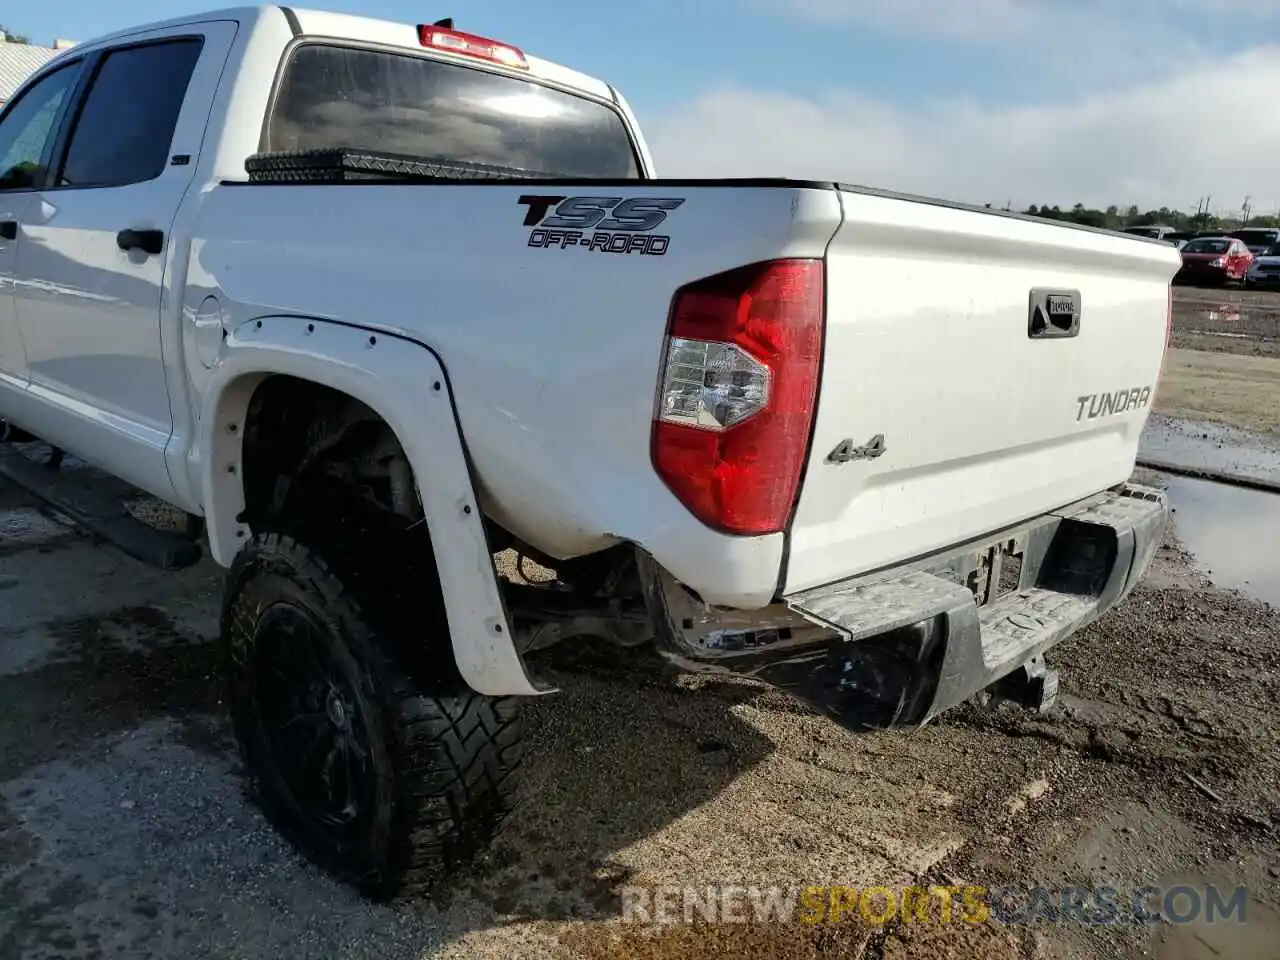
[1214, 260]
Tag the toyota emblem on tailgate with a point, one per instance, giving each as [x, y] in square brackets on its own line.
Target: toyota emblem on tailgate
[1053, 314]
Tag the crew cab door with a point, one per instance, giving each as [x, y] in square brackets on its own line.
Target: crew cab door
[27, 132]
[91, 269]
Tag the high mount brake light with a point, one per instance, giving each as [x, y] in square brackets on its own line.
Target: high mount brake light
[469, 45]
[738, 393]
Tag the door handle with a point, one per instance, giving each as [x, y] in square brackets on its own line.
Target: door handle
[8, 229]
[148, 241]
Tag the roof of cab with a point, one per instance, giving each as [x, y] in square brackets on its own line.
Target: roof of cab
[321, 23]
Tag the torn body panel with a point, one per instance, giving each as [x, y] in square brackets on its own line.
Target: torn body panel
[900, 646]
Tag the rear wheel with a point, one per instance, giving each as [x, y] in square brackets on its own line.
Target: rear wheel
[381, 773]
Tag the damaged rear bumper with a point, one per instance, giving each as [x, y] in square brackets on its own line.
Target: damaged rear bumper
[900, 646]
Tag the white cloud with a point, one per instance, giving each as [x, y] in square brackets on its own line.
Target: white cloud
[1212, 129]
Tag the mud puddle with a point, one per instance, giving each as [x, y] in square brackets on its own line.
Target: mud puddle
[1253, 931]
[1231, 532]
[1212, 446]
[1225, 315]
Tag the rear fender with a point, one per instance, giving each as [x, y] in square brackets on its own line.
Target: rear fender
[406, 384]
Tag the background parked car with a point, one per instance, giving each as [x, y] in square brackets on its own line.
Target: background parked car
[1265, 269]
[1151, 232]
[1257, 239]
[1213, 260]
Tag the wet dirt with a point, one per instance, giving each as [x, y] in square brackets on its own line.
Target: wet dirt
[751, 939]
[29, 525]
[1165, 771]
[1227, 320]
[124, 830]
[108, 673]
[1202, 444]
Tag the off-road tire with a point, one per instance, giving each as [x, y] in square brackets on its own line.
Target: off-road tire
[442, 760]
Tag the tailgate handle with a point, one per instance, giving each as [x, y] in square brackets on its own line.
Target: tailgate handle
[1053, 314]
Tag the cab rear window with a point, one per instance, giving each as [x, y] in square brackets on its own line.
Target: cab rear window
[333, 97]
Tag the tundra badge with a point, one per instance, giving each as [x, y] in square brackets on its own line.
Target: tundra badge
[1091, 406]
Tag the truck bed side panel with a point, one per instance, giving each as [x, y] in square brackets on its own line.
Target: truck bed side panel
[552, 349]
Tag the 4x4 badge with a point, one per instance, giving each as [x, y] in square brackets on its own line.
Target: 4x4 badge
[846, 451]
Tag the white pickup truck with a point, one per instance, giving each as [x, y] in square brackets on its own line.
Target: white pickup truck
[377, 303]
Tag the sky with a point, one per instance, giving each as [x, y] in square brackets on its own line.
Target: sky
[1147, 102]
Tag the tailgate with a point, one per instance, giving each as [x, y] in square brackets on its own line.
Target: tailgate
[979, 370]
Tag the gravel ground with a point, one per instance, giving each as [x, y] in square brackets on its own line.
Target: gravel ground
[124, 831]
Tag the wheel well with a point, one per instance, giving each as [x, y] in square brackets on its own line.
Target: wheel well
[326, 469]
[298, 433]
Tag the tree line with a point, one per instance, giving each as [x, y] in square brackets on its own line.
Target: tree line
[1115, 218]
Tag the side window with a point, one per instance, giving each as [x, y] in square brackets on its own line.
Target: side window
[126, 125]
[28, 127]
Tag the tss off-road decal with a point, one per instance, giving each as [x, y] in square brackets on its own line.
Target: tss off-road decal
[599, 224]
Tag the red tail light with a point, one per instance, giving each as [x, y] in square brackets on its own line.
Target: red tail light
[738, 392]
